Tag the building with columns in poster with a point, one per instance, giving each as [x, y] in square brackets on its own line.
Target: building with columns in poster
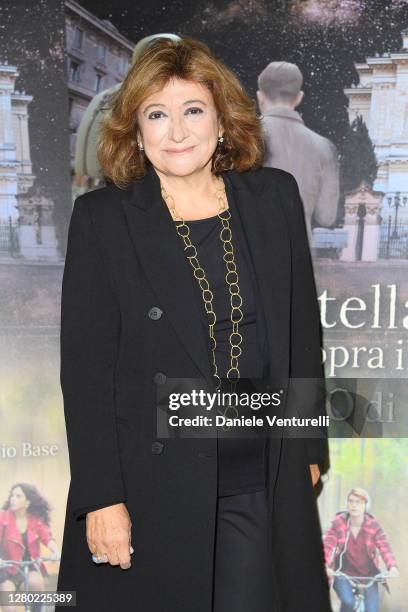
[27, 229]
[15, 161]
[381, 98]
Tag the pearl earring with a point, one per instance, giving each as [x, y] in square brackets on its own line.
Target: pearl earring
[140, 146]
[221, 139]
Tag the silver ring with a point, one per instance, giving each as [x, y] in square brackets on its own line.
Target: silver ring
[104, 558]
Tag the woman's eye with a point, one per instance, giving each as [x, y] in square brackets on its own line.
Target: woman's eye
[196, 108]
[154, 114]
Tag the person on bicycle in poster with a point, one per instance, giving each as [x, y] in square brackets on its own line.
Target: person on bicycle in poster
[352, 545]
[24, 523]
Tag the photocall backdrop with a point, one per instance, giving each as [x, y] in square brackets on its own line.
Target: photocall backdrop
[58, 59]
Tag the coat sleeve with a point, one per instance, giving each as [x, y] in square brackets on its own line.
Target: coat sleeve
[307, 393]
[44, 532]
[89, 339]
[384, 547]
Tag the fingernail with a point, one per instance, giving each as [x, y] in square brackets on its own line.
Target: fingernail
[126, 566]
[131, 550]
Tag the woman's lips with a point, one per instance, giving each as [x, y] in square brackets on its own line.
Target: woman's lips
[178, 151]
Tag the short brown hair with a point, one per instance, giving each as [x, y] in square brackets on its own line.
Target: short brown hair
[188, 59]
[280, 81]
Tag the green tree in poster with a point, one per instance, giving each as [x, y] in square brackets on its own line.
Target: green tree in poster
[370, 459]
[358, 161]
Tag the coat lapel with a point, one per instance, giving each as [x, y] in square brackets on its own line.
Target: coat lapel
[160, 251]
[161, 254]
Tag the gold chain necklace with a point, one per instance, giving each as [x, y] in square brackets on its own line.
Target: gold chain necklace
[231, 278]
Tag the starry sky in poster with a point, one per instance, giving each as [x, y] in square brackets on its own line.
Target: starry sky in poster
[324, 37]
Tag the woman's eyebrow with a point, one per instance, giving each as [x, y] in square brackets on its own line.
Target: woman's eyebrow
[184, 103]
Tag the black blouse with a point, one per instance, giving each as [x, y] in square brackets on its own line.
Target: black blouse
[26, 555]
[241, 460]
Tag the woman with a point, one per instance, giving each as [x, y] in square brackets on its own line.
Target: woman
[213, 524]
[24, 523]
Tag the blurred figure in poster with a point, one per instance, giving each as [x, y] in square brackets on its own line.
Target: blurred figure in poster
[88, 173]
[24, 523]
[352, 545]
[291, 146]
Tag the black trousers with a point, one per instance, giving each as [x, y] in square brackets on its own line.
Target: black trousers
[243, 574]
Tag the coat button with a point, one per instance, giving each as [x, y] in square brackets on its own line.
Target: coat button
[160, 378]
[157, 447]
[155, 313]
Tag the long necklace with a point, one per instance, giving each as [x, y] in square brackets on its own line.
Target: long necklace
[231, 279]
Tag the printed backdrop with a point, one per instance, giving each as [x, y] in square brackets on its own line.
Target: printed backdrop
[57, 61]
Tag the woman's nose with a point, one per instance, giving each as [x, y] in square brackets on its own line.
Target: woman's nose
[178, 131]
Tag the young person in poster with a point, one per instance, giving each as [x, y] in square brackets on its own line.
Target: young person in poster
[24, 525]
[197, 524]
[352, 546]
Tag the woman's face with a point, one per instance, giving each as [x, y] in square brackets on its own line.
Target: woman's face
[17, 499]
[179, 128]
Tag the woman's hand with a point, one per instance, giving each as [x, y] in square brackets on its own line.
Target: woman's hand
[108, 532]
[315, 473]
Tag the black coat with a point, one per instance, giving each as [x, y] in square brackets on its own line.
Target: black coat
[124, 261]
